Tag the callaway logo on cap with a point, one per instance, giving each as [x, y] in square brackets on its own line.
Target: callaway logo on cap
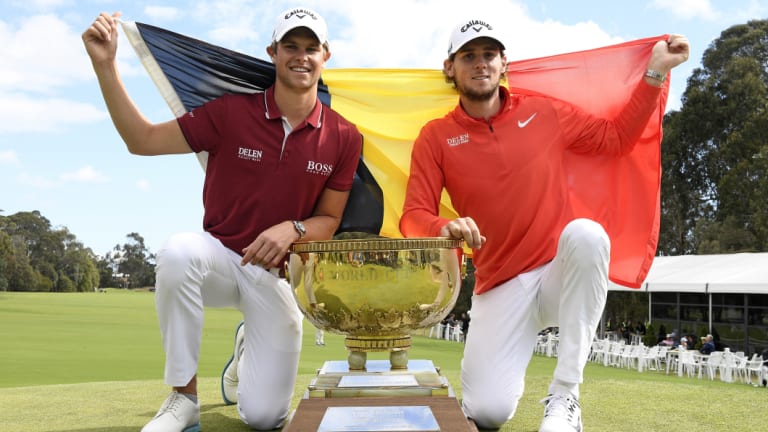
[300, 17]
[470, 30]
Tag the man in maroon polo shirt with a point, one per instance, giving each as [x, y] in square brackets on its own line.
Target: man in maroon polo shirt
[280, 167]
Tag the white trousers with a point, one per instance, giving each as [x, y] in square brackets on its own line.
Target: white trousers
[568, 292]
[194, 270]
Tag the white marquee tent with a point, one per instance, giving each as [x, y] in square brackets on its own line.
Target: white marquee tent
[740, 273]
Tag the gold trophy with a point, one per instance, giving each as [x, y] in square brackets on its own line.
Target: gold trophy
[376, 291]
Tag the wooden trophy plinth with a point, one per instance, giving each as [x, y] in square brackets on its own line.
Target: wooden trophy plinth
[379, 399]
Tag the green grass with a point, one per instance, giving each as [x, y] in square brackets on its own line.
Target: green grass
[93, 362]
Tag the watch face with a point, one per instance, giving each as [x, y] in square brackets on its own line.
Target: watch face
[299, 228]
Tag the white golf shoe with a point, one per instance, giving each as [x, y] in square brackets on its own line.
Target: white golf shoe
[229, 379]
[177, 414]
[562, 413]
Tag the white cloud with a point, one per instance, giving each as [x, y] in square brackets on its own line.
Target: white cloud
[163, 13]
[387, 37]
[688, 9]
[36, 182]
[85, 175]
[43, 57]
[38, 5]
[40, 54]
[22, 113]
[237, 24]
[8, 157]
[419, 38]
[143, 185]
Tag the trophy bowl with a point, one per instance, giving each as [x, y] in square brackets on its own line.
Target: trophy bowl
[375, 291]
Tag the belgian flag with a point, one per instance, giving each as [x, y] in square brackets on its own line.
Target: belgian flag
[389, 107]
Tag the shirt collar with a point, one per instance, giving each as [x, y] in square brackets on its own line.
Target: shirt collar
[272, 112]
[506, 105]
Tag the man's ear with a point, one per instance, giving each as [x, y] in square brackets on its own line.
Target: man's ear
[448, 68]
[271, 52]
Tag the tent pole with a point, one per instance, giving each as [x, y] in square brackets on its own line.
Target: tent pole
[602, 325]
[650, 294]
[709, 296]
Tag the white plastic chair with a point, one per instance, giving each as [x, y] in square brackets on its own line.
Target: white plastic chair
[599, 349]
[755, 366]
[541, 344]
[457, 334]
[614, 351]
[436, 330]
[551, 345]
[622, 359]
[649, 359]
[448, 331]
[662, 355]
[740, 369]
[713, 364]
[688, 364]
[631, 355]
[727, 367]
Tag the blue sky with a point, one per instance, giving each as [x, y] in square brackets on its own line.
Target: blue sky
[60, 155]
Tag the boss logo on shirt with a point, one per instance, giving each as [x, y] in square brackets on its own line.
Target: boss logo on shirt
[319, 168]
[250, 154]
[458, 140]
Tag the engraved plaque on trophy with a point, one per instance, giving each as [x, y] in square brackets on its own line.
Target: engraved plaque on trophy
[379, 419]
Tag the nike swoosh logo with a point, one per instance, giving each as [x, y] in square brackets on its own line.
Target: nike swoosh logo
[522, 124]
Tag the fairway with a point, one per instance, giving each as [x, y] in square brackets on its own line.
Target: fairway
[93, 363]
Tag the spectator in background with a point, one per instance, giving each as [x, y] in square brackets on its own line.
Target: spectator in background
[668, 340]
[465, 324]
[640, 329]
[625, 331]
[709, 345]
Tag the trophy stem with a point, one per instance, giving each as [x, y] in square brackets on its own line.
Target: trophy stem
[359, 346]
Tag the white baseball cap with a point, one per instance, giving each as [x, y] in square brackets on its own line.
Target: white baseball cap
[300, 17]
[470, 30]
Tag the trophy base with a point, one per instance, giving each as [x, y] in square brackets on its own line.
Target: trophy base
[379, 378]
[381, 398]
[312, 415]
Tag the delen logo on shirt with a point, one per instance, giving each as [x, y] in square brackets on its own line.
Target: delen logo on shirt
[250, 154]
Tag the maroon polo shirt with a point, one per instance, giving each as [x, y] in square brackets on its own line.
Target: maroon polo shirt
[256, 176]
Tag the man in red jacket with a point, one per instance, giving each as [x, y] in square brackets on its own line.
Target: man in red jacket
[499, 155]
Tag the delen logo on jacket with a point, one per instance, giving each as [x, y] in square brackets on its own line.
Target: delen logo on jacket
[457, 140]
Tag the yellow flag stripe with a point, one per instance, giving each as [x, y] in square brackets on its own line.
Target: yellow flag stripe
[374, 100]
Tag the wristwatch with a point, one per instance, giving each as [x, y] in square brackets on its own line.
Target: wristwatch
[650, 73]
[299, 227]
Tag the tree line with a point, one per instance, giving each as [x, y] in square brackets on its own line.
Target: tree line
[34, 256]
[714, 185]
